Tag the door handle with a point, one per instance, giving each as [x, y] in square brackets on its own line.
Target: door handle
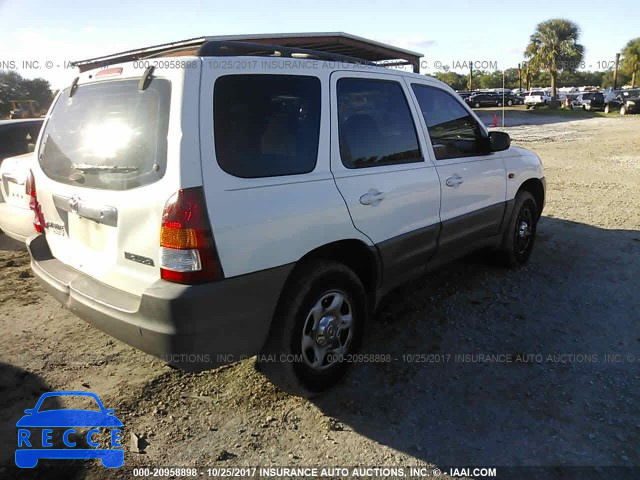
[372, 197]
[454, 181]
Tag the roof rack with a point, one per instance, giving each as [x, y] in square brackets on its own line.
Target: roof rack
[216, 48]
[313, 45]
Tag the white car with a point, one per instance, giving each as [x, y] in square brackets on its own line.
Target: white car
[16, 218]
[258, 204]
[536, 98]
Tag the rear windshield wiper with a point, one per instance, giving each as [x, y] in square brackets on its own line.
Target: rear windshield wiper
[86, 168]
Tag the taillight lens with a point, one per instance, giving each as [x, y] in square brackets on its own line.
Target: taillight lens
[30, 189]
[187, 250]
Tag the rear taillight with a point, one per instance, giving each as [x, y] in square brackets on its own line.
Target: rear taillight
[187, 249]
[30, 189]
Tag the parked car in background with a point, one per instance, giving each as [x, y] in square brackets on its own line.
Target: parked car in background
[18, 136]
[589, 101]
[511, 99]
[566, 99]
[478, 100]
[626, 101]
[464, 95]
[537, 98]
[16, 217]
[153, 211]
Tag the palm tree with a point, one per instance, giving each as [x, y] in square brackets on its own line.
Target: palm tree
[554, 46]
[631, 59]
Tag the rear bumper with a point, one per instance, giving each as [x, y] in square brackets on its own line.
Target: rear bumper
[15, 222]
[193, 327]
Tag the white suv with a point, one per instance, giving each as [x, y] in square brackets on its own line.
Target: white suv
[249, 204]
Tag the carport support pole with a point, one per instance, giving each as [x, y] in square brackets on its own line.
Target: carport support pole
[470, 87]
[520, 77]
[615, 72]
[503, 83]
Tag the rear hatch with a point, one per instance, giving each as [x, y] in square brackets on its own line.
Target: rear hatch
[13, 177]
[535, 97]
[109, 159]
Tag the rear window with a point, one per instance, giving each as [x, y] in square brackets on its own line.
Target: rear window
[266, 125]
[108, 135]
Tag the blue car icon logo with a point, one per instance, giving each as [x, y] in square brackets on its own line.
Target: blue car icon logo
[36, 432]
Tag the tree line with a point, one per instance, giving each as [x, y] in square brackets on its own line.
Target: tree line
[552, 57]
[14, 86]
[515, 78]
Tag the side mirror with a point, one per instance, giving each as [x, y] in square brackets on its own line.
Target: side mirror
[499, 141]
[29, 411]
[31, 147]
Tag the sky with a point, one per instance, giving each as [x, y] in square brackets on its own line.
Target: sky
[491, 33]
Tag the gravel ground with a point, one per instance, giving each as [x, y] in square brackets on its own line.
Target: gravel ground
[533, 367]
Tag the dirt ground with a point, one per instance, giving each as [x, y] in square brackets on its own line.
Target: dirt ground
[534, 367]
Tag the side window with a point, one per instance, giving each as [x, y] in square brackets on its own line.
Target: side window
[14, 139]
[6, 142]
[266, 125]
[453, 131]
[375, 124]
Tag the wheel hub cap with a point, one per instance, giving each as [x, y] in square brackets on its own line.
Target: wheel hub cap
[327, 330]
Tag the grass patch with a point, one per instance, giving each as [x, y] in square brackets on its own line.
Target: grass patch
[565, 112]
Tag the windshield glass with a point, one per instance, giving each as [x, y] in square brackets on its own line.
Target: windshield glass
[76, 402]
[108, 135]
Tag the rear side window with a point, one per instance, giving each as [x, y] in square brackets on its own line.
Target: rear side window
[16, 137]
[375, 124]
[453, 131]
[108, 135]
[266, 125]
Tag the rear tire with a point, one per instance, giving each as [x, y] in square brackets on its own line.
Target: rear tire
[623, 110]
[476, 105]
[318, 323]
[606, 108]
[519, 236]
[509, 103]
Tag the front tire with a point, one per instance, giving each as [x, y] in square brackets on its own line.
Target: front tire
[519, 236]
[317, 325]
[623, 110]
[606, 108]
[509, 103]
[476, 105]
